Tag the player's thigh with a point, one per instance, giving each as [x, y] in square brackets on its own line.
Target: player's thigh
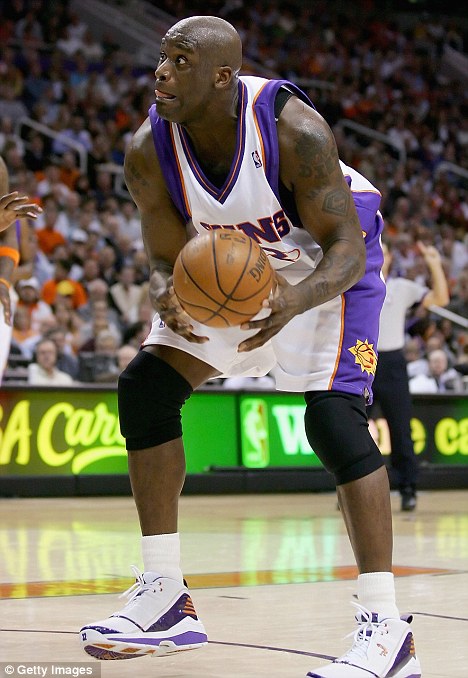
[194, 370]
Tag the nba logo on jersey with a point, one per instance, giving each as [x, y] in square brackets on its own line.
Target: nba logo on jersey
[256, 159]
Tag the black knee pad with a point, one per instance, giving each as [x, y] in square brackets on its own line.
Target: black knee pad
[337, 430]
[151, 394]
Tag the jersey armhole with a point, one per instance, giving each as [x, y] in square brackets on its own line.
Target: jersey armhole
[282, 97]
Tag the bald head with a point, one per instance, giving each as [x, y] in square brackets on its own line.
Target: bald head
[212, 36]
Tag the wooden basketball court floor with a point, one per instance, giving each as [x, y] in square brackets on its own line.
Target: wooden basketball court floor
[271, 576]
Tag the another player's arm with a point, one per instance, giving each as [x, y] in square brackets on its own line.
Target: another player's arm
[309, 167]
[163, 228]
[8, 252]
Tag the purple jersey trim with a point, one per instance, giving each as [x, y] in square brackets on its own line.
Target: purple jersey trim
[221, 194]
[264, 111]
[162, 139]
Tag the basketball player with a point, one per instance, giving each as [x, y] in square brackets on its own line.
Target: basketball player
[223, 151]
[12, 208]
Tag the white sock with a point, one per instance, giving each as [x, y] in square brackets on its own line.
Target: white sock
[161, 554]
[376, 592]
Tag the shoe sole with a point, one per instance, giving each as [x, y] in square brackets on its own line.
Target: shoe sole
[105, 648]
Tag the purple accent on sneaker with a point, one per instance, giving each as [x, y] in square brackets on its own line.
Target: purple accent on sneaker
[408, 618]
[187, 638]
[404, 652]
[172, 616]
[100, 629]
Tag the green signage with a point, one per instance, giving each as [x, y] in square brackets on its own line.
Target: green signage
[76, 431]
[45, 432]
[272, 431]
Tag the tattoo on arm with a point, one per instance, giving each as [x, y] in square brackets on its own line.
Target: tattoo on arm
[336, 202]
[137, 180]
[317, 157]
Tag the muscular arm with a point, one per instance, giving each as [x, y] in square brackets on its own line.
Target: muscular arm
[310, 168]
[163, 229]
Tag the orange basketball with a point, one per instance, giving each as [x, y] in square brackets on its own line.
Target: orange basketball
[222, 277]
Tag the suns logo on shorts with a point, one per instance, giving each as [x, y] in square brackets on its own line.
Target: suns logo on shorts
[365, 356]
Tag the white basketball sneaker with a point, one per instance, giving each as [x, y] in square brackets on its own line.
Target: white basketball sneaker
[158, 619]
[382, 648]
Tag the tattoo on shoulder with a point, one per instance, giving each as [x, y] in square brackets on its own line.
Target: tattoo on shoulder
[136, 175]
[317, 157]
[336, 202]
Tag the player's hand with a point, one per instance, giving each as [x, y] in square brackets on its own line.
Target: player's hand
[14, 206]
[5, 302]
[284, 304]
[171, 312]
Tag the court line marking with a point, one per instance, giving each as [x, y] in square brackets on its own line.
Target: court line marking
[316, 655]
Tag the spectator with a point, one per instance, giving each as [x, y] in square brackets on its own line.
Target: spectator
[29, 297]
[126, 295]
[440, 379]
[24, 337]
[62, 285]
[66, 360]
[48, 237]
[100, 365]
[44, 371]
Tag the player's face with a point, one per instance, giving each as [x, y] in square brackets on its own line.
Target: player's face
[184, 79]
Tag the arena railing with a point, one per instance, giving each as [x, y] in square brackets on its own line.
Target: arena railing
[362, 130]
[48, 132]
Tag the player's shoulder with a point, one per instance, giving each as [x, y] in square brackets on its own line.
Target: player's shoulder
[141, 152]
[141, 139]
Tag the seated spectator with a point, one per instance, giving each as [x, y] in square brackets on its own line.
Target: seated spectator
[416, 363]
[459, 302]
[62, 285]
[126, 295]
[70, 323]
[100, 366]
[52, 185]
[44, 371]
[28, 292]
[23, 336]
[101, 318]
[48, 237]
[66, 360]
[98, 290]
[440, 379]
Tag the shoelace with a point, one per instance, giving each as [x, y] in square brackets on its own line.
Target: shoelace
[362, 635]
[137, 588]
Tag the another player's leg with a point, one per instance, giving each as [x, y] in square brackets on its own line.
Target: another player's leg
[159, 617]
[383, 646]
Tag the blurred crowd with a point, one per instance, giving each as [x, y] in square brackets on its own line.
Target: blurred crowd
[82, 284]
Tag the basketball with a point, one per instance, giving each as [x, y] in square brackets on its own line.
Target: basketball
[222, 277]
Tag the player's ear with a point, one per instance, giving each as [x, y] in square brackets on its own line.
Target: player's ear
[224, 76]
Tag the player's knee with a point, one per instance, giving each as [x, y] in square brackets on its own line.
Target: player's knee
[151, 394]
[337, 430]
